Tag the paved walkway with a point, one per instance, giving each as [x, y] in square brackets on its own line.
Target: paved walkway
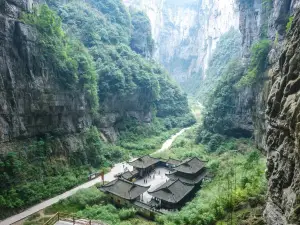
[156, 179]
[118, 168]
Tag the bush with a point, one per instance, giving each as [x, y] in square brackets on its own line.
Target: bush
[289, 24]
[219, 115]
[215, 141]
[259, 53]
[126, 214]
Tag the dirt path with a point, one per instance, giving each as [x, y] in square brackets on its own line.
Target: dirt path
[170, 141]
[118, 168]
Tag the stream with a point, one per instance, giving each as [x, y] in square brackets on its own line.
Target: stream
[118, 168]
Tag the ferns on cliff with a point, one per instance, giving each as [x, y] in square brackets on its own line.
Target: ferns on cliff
[289, 24]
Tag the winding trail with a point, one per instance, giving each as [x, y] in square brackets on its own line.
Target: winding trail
[118, 168]
[168, 143]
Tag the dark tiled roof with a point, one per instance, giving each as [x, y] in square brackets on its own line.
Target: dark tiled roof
[129, 174]
[190, 166]
[124, 189]
[144, 162]
[187, 179]
[174, 162]
[172, 191]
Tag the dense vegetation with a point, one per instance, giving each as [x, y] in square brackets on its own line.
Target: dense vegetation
[232, 80]
[257, 66]
[235, 194]
[222, 102]
[73, 64]
[90, 204]
[40, 169]
[122, 72]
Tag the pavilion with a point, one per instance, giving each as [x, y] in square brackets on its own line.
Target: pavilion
[172, 194]
[172, 162]
[129, 175]
[191, 171]
[145, 164]
[123, 192]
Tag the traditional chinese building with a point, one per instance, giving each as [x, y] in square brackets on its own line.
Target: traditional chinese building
[183, 179]
[123, 192]
[172, 163]
[130, 175]
[191, 171]
[145, 164]
[172, 195]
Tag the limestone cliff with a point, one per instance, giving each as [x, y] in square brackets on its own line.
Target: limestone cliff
[32, 101]
[276, 130]
[283, 134]
[186, 32]
[263, 20]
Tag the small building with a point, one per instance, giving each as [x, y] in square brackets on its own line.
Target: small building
[171, 163]
[191, 171]
[129, 175]
[172, 195]
[145, 164]
[123, 192]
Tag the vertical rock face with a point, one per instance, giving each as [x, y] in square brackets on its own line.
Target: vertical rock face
[283, 139]
[277, 130]
[32, 101]
[264, 20]
[186, 32]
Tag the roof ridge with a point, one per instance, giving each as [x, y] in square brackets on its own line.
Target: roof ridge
[173, 182]
[134, 184]
[110, 183]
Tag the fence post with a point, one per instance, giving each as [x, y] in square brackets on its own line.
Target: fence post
[90, 222]
[57, 216]
[73, 220]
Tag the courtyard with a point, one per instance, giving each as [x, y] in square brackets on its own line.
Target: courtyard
[155, 179]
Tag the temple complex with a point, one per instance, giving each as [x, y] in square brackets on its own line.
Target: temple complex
[157, 185]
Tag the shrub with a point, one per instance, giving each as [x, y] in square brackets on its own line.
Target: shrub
[259, 53]
[215, 141]
[289, 24]
[126, 214]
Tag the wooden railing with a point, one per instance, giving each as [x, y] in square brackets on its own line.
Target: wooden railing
[52, 220]
[68, 218]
